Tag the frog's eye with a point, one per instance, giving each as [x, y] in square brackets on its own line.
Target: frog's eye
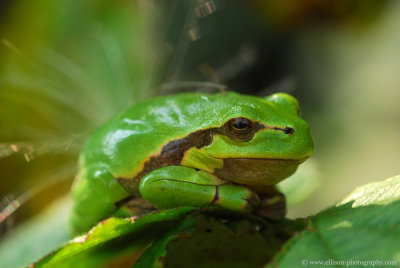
[240, 129]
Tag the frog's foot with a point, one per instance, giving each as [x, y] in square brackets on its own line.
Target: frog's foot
[175, 186]
[235, 198]
[273, 207]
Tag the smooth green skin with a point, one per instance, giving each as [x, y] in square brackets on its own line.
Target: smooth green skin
[121, 147]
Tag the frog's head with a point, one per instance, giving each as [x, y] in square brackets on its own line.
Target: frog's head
[260, 140]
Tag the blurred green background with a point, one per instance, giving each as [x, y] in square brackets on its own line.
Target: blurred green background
[67, 66]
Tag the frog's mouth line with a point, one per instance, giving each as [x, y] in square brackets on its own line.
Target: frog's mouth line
[301, 160]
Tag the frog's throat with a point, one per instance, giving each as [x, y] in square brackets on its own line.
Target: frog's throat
[256, 171]
[173, 152]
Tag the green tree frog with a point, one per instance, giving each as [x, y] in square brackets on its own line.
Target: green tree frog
[192, 149]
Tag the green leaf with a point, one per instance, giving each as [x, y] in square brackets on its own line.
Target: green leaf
[183, 237]
[362, 229]
[114, 240]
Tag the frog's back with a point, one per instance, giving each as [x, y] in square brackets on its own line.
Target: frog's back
[125, 142]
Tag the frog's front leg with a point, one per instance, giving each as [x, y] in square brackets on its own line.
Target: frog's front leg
[174, 186]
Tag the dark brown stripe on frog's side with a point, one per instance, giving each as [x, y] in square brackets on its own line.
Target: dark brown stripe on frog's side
[171, 154]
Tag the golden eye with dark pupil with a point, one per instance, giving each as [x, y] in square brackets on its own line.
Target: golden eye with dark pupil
[239, 129]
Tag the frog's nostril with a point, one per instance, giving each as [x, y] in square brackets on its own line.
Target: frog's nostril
[288, 130]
